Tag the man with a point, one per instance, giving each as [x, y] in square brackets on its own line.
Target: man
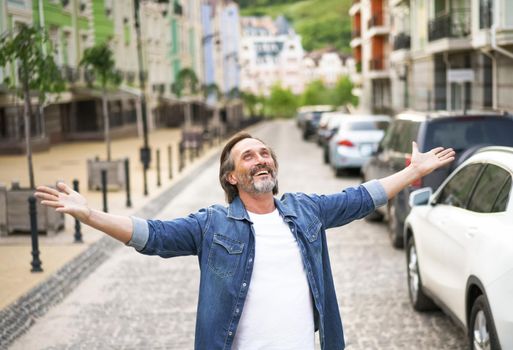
[266, 280]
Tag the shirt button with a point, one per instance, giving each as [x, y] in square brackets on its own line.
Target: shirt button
[244, 284]
[250, 260]
[237, 311]
[230, 333]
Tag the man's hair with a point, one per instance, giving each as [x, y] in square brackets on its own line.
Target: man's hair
[227, 165]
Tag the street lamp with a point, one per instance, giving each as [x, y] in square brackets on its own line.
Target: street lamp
[145, 151]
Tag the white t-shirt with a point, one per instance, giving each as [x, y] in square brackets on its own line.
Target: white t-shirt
[278, 312]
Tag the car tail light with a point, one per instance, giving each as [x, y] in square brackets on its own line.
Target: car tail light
[417, 183]
[346, 143]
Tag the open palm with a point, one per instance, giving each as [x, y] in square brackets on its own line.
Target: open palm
[64, 200]
[426, 162]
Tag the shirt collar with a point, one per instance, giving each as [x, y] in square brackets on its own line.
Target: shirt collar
[237, 211]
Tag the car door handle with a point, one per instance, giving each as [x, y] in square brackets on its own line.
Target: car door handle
[471, 232]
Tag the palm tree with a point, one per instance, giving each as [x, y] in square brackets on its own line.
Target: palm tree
[100, 59]
[186, 82]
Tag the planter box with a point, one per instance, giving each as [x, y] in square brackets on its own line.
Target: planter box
[14, 213]
[115, 174]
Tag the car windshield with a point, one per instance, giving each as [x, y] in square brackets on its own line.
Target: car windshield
[463, 133]
[367, 125]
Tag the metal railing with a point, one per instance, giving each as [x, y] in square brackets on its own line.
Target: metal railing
[378, 63]
[456, 24]
[402, 41]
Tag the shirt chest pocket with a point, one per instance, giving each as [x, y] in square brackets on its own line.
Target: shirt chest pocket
[313, 230]
[225, 254]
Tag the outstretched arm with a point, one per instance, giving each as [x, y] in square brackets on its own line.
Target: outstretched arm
[421, 165]
[65, 200]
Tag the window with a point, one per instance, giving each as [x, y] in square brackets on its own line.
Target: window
[457, 191]
[488, 189]
[502, 200]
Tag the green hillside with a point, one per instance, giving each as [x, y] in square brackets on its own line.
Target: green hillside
[320, 23]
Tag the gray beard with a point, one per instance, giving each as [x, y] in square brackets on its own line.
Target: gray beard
[262, 186]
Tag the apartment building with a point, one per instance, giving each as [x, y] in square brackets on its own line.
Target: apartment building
[441, 54]
[271, 53]
[327, 65]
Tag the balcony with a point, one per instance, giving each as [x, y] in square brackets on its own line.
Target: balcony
[453, 25]
[378, 68]
[378, 24]
[450, 32]
[402, 41]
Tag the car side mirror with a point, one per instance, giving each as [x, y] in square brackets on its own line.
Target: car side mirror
[420, 197]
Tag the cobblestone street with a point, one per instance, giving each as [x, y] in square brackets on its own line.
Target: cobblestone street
[138, 302]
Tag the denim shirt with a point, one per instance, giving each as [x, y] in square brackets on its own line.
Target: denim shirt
[224, 241]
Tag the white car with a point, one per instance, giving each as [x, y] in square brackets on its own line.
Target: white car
[357, 137]
[459, 248]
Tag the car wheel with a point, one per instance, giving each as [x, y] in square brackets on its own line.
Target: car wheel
[394, 227]
[481, 329]
[419, 300]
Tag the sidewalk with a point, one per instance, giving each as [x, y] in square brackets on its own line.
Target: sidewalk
[67, 162]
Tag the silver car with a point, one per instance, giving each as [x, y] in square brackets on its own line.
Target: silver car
[357, 138]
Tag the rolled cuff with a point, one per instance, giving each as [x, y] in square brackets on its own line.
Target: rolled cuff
[140, 233]
[377, 192]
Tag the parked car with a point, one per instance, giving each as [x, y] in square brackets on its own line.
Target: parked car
[354, 140]
[464, 133]
[310, 117]
[328, 126]
[459, 248]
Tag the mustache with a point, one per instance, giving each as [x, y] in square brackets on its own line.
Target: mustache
[261, 167]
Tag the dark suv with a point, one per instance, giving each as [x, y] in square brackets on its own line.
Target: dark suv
[464, 133]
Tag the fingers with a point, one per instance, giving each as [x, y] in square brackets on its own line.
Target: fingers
[64, 188]
[46, 196]
[437, 150]
[48, 190]
[52, 204]
[414, 147]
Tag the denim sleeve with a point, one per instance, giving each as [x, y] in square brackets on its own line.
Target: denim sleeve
[353, 203]
[178, 237]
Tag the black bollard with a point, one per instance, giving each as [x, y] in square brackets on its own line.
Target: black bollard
[191, 145]
[36, 262]
[78, 233]
[170, 161]
[181, 156]
[104, 190]
[158, 168]
[127, 183]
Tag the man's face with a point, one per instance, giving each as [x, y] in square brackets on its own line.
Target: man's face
[255, 171]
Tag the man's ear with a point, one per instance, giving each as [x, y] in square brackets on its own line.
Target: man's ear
[232, 179]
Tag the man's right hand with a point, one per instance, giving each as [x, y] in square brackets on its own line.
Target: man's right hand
[64, 200]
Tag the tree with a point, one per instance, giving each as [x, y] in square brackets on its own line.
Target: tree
[100, 59]
[316, 93]
[36, 71]
[282, 103]
[250, 102]
[186, 81]
[343, 92]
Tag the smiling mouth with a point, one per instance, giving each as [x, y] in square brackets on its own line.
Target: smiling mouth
[262, 173]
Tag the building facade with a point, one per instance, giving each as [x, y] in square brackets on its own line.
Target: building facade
[427, 44]
[270, 53]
